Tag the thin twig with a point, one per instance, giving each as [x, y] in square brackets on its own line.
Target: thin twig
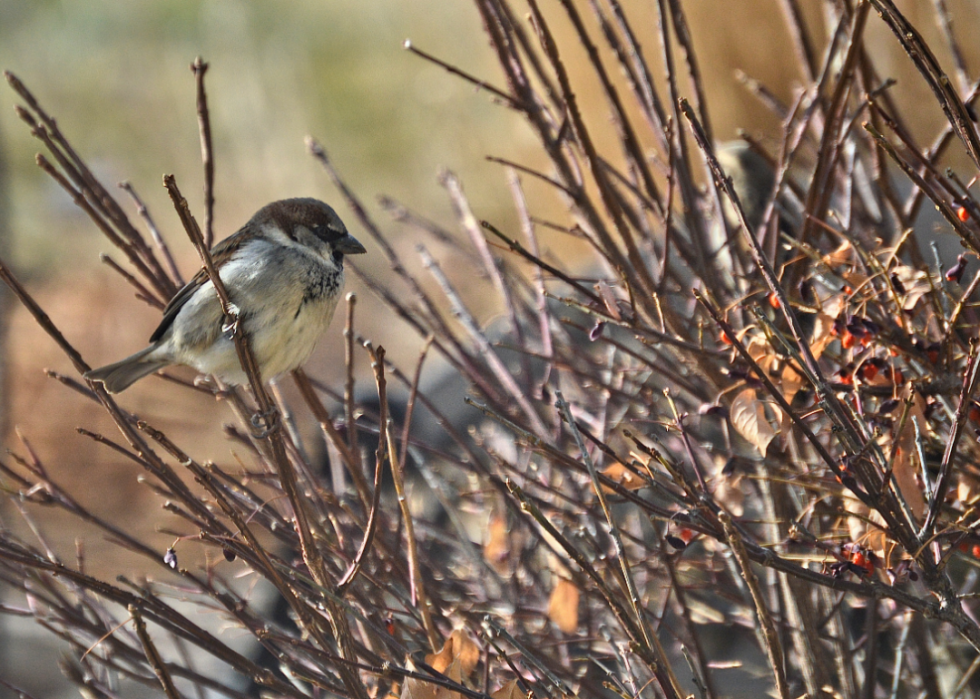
[774, 649]
[152, 655]
[417, 583]
[199, 68]
[379, 460]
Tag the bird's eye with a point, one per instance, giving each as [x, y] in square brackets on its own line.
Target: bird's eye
[325, 232]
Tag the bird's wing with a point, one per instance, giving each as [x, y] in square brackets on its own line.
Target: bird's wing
[219, 254]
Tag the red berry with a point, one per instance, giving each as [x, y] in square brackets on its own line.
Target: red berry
[975, 413]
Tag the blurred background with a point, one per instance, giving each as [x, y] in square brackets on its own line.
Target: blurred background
[115, 74]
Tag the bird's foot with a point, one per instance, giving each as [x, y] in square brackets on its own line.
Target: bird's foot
[264, 424]
[230, 325]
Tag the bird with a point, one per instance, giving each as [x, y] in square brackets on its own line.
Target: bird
[284, 273]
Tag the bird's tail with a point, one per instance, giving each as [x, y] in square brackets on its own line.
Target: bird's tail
[121, 375]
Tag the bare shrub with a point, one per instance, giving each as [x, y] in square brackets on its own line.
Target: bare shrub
[736, 453]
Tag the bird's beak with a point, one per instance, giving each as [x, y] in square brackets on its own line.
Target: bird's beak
[349, 245]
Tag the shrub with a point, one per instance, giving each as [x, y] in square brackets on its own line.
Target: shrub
[741, 436]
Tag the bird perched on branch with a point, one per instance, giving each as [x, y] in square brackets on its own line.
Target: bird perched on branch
[283, 271]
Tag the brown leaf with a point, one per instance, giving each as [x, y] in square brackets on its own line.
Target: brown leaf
[908, 484]
[789, 379]
[509, 691]
[822, 335]
[496, 550]
[622, 475]
[967, 488]
[751, 418]
[824, 324]
[455, 673]
[855, 280]
[792, 381]
[459, 647]
[759, 349]
[455, 670]
[417, 689]
[867, 528]
[728, 491]
[563, 606]
[915, 283]
[904, 466]
[843, 255]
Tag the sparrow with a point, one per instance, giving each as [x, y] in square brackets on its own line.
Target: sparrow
[283, 271]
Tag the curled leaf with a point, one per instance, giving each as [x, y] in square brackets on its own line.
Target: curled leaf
[914, 285]
[755, 420]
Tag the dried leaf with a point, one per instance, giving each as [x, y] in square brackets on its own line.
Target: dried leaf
[867, 529]
[791, 380]
[563, 606]
[453, 672]
[904, 466]
[496, 550]
[728, 492]
[822, 334]
[458, 647]
[824, 325]
[509, 691]
[750, 418]
[416, 688]
[855, 280]
[914, 282]
[760, 351]
[908, 485]
[843, 255]
[622, 475]
[967, 488]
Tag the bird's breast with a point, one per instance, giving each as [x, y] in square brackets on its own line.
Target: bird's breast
[285, 331]
[286, 300]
